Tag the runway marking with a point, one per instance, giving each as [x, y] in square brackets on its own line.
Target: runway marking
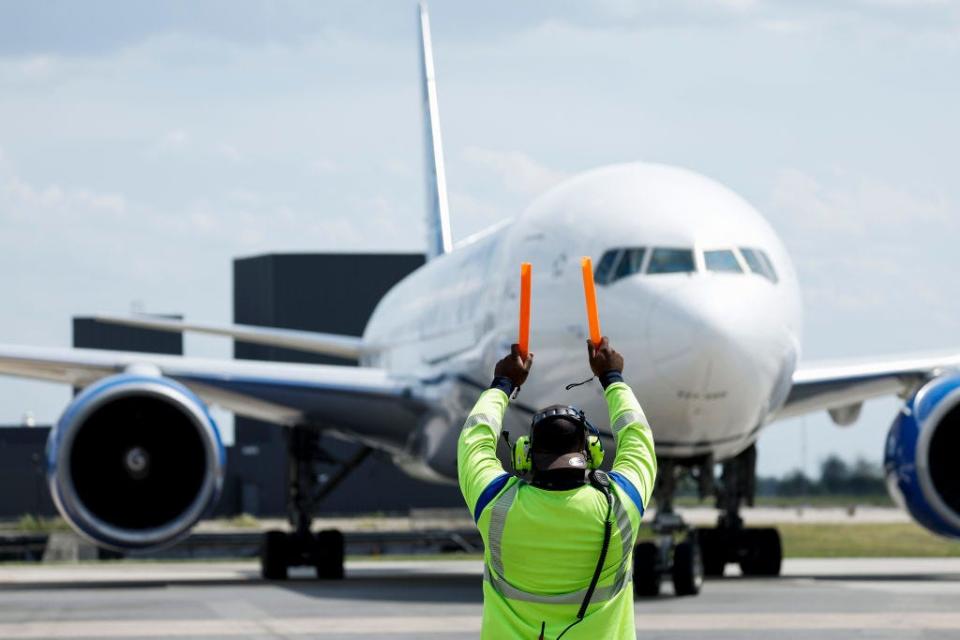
[317, 626]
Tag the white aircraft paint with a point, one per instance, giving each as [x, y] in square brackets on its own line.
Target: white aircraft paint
[710, 355]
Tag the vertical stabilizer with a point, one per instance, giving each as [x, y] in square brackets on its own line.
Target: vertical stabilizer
[438, 213]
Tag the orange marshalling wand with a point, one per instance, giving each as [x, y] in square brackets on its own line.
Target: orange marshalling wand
[524, 339]
[590, 294]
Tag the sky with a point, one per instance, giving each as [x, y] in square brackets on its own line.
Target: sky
[143, 146]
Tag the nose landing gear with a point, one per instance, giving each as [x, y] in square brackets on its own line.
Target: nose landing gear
[705, 551]
[665, 556]
[758, 551]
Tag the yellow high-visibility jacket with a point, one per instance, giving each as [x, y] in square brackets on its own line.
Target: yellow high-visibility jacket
[542, 546]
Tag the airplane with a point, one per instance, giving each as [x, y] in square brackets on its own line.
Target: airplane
[694, 288]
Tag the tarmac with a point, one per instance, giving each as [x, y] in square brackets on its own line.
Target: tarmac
[459, 518]
[836, 598]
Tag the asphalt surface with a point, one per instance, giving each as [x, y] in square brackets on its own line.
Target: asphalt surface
[863, 598]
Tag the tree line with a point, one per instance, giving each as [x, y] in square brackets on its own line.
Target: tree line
[837, 477]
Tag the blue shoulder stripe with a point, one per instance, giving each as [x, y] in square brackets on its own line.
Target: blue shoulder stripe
[489, 493]
[628, 488]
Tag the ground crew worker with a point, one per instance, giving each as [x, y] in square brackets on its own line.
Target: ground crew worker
[559, 541]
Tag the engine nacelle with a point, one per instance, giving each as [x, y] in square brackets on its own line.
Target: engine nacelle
[134, 462]
[921, 456]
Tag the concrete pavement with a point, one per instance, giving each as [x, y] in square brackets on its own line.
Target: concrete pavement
[837, 598]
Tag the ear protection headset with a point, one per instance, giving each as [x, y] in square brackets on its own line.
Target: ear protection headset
[522, 449]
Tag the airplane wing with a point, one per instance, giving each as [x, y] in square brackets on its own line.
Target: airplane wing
[352, 400]
[326, 343]
[841, 387]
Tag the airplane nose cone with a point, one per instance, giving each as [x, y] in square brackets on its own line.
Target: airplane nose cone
[709, 345]
[704, 334]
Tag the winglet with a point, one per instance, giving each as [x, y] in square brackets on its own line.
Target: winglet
[438, 213]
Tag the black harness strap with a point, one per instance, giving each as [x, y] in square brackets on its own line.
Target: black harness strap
[601, 482]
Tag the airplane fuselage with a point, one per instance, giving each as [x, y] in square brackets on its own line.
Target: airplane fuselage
[694, 288]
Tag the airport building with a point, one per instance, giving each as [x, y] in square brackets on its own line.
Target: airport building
[333, 293]
[329, 293]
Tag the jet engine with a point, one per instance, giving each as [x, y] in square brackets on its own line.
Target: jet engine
[921, 456]
[134, 462]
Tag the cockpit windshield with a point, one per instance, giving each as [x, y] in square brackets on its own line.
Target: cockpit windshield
[671, 261]
[759, 263]
[631, 261]
[603, 274]
[619, 263]
[622, 262]
[721, 261]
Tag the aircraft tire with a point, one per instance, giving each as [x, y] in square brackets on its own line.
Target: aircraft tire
[329, 554]
[763, 552]
[687, 569]
[274, 556]
[646, 574]
[712, 551]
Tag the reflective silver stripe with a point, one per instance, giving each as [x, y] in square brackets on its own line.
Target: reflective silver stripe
[626, 539]
[628, 418]
[509, 591]
[498, 519]
[622, 580]
[625, 527]
[600, 594]
[482, 418]
[494, 574]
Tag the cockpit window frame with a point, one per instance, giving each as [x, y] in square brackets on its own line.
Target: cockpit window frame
[774, 276]
[764, 267]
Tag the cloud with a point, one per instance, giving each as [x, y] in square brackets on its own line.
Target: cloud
[24, 201]
[175, 140]
[323, 167]
[647, 9]
[229, 152]
[906, 18]
[855, 205]
[180, 142]
[856, 242]
[96, 227]
[517, 171]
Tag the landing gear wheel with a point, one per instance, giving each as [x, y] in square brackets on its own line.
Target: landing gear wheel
[762, 552]
[274, 556]
[328, 555]
[687, 568]
[646, 572]
[712, 551]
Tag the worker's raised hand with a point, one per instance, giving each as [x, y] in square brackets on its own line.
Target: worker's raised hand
[603, 358]
[514, 366]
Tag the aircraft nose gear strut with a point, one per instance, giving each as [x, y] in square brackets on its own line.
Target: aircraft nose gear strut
[324, 550]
